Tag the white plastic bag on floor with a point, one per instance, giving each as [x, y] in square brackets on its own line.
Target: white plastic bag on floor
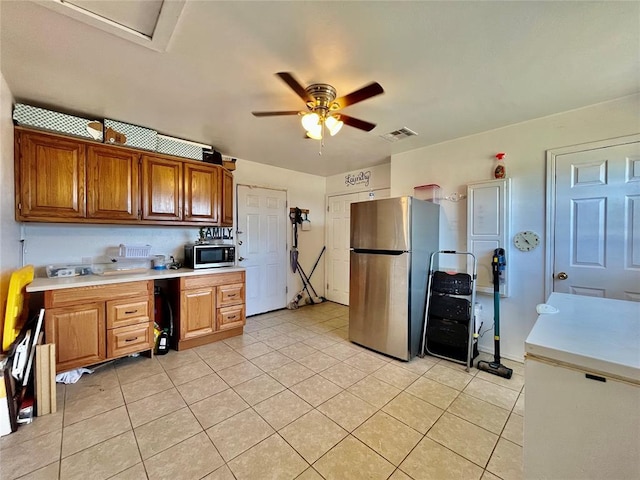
[72, 376]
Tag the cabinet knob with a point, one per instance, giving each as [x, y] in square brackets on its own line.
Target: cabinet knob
[562, 276]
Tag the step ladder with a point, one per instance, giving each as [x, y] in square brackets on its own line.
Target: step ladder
[449, 324]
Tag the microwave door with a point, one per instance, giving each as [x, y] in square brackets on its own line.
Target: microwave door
[207, 256]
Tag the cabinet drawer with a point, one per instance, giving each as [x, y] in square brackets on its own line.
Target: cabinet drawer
[211, 280]
[125, 340]
[230, 317]
[230, 294]
[97, 293]
[121, 313]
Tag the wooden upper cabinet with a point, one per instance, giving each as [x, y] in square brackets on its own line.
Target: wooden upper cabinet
[113, 188]
[227, 198]
[202, 193]
[161, 189]
[64, 179]
[52, 180]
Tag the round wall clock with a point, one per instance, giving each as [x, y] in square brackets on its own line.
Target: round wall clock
[526, 241]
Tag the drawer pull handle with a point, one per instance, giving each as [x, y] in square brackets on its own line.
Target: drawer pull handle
[129, 312]
[131, 339]
[231, 295]
[233, 317]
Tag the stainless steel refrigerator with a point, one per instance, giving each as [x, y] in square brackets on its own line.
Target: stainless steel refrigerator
[391, 241]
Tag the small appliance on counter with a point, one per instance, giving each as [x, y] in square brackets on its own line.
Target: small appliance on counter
[209, 255]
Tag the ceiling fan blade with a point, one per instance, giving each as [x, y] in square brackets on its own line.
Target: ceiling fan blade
[275, 114]
[295, 86]
[365, 92]
[357, 123]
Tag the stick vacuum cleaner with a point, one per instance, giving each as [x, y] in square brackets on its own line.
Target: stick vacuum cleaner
[498, 263]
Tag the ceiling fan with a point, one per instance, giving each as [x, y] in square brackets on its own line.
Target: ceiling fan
[323, 108]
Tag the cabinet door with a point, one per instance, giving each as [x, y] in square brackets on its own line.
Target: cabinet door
[52, 177]
[227, 198]
[202, 193]
[79, 335]
[161, 189]
[112, 183]
[197, 312]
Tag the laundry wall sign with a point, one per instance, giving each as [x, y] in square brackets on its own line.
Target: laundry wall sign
[359, 178]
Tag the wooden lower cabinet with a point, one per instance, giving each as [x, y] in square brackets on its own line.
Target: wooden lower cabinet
[79, 334]
[198, 310]
[210, 308]
[91, 324]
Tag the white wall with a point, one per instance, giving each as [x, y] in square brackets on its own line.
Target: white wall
[453, 164]
[9, 229]
[56, 243]
[304, 191]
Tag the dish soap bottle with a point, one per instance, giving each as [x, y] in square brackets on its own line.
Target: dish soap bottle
[500, 170]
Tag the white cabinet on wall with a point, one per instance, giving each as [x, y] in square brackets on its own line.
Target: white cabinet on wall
[488, 219]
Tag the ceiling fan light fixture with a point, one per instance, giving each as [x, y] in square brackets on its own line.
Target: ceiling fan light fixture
[310, 121]
[315, 132]
[324, 107]
[333, 124]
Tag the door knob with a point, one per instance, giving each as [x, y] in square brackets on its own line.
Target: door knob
[240, 259]
[562, 276]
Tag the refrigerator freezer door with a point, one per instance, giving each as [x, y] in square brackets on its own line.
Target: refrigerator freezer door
[381, 224]
[379, 302]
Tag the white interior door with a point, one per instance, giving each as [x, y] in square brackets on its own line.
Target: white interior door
[262, 247]
[338, 225]
[597, 222]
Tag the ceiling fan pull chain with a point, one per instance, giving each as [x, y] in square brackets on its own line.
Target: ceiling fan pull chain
[322, 139]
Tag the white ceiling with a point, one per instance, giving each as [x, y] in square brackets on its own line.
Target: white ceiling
[449, 69]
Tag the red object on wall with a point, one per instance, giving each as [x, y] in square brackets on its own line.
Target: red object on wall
[500, 170]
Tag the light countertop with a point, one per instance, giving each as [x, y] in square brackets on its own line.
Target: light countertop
[41, 284]
[596, 334]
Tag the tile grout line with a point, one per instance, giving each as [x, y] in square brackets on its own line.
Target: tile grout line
[368, 374]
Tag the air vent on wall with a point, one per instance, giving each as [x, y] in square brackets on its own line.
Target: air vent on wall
[399, 134]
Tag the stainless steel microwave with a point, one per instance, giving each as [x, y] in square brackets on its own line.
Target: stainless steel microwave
[209, 255]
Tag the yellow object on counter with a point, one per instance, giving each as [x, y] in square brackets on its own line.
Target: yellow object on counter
[15, 304]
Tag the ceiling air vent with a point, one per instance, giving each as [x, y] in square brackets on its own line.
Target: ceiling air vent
[399, 134]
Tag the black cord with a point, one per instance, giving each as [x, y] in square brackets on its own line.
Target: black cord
[487, 330]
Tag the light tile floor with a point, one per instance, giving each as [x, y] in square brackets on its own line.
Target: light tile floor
[291, 398]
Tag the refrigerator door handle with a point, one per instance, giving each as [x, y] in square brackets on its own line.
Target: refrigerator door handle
[378, 252]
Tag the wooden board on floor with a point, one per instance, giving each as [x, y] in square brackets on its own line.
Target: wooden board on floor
[45, 376]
